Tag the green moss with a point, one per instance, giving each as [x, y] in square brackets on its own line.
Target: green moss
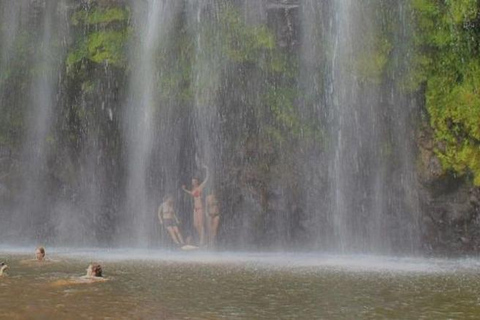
[447, 61]
[175, 66]
[371, 63]
[107, 46]
[255, 49]
[100, 16]
[101, 47]
[281, 102]
[106, 37]
[242, 43]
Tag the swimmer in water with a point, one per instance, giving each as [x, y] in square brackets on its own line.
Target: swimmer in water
[40, 253]
[39, 257]
[198, 214]
[3, 267]
[94, 271]
[94, 274]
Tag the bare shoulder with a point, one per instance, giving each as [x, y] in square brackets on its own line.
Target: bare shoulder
[35, 262]
[78, 280]
[93, 279]
[189, 247]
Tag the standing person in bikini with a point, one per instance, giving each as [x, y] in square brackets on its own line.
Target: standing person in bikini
[198, 213]
[168, 218]
[213, 212]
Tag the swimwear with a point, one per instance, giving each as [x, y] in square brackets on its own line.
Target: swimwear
[167, 214]
[197, 193]
[213, 215]
[169, 223]
[213, 210]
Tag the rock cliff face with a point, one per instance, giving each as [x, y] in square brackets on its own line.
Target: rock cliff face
[295, 106]
[449, 205]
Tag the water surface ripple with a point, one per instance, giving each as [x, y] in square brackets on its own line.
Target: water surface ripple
[156, 284]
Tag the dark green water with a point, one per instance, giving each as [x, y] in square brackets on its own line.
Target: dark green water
[188, 286]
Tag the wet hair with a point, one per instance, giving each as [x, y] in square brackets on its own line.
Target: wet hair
[97, 270]
[167, 197]
[42, 250]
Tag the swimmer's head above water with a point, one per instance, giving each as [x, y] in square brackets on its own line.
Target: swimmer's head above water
[168, 199]
[3, 267]
[40, 253]
[195, 182]
[94, 270]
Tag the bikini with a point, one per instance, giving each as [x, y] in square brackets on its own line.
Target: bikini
[197, 194]
[216, 212]
[169, 222]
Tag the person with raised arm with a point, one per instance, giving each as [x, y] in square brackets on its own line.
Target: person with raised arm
[198, 212]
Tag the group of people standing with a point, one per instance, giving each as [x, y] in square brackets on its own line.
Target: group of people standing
[169, 219]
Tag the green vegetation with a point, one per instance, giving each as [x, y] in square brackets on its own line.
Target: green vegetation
[96, 59]
[373, 45]
[101, 47]
[175, 65]
[243, 43]
[100, 15]
[447, 61]
[255, 48]
[13, 79]
[105, 38]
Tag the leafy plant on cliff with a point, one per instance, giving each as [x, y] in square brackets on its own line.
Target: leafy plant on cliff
[448, 63]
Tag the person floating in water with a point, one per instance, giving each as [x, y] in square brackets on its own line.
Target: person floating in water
[3, 267]
[213, 212]
[198, 213]
[168, 218]
[94, 274]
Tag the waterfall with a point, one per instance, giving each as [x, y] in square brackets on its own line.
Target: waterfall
[11, 18]
[295, 107]
[47, 24]
[367, 162]
[206, 78]
[154, 19]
